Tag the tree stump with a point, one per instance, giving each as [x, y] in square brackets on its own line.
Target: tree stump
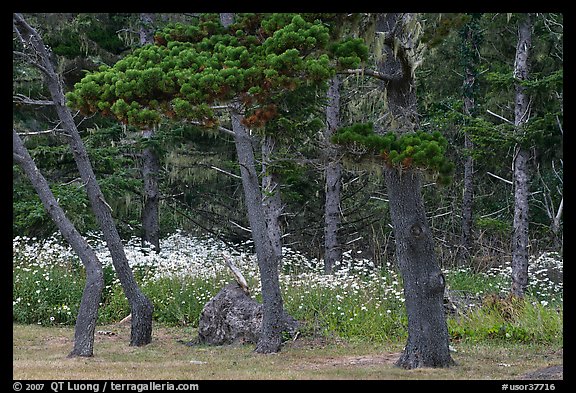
[233, 317]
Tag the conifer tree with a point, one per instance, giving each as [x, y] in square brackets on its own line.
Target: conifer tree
[246, 67]
[470, 36]
[424, 282]
[520, 161]
[404, 151]
[150, 163]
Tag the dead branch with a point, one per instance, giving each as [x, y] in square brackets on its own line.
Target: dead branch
[236, 272]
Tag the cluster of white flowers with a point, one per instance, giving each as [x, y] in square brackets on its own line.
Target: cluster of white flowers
[185, 256]
[545, 275]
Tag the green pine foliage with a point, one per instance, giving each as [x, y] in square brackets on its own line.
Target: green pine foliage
[191, 67]
[416, 150]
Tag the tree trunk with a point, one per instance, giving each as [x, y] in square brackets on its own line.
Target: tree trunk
[271, 202]
[428, 340]
[273, 310]
[469, 57]
[520, 163]
[467, 202]
[88, 311]
[424, 284]
[333, 174]
[150, 162]
[150, 216]
[468, 196]
[270, 339]
[555, 226]
[141, 307]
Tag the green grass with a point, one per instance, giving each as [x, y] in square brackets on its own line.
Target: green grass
[40, 353]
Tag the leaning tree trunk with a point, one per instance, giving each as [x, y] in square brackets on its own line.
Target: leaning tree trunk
[333, 174]
[141, 307]
[428, 340]
[520, 163]
[424, 284]
[88, 311]
[270, 339]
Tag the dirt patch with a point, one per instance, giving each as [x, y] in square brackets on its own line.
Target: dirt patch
[551, 372]
[352, 361]
[57, 341]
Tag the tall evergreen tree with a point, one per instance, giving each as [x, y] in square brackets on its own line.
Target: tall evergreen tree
[150, 161]
[470, 37]
[246, 67]
[521, 159]
[333, 179]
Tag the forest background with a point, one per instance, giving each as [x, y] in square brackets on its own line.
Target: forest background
[201, 193]
[199, 196]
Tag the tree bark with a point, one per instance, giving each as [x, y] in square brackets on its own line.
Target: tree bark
[150, 212]
[520, 163]
[272, 201]
[270, 339]
[88, 311]
[333, 175]
[141, 307]
[424, 283]
[428, 340]
[150, 162]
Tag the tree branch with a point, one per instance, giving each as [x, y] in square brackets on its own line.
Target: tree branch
[220, 128]
[368, 72]
[236, 272]
[22, 99]
[225, 172]
[40, 132]
[500, 117]
[499, 178]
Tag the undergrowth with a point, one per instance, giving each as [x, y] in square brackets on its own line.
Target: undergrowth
[359, 301]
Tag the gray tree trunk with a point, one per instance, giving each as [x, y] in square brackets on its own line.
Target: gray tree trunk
[467, 202]
[469, 110]
[428, 340]
[520, 163]
[470, 42]
[150, 212]
[333, 175]
[150, 162]
[272, 201]
[141, 307]
[270, 339]
[88, 311]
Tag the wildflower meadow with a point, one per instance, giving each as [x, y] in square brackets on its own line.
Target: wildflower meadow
[360, 301]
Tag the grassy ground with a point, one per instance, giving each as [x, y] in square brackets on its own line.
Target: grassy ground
[40, 353]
